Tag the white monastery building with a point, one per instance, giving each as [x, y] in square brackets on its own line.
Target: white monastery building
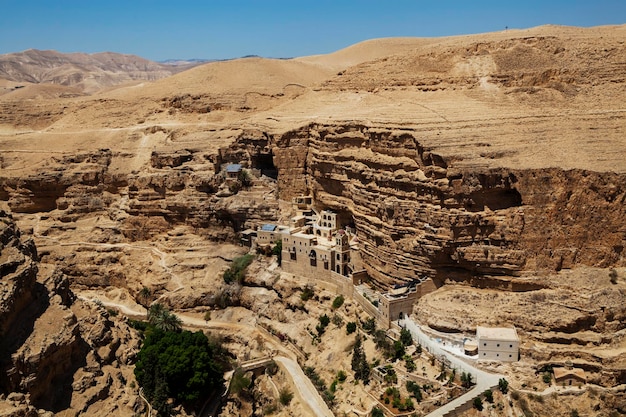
[497, 343]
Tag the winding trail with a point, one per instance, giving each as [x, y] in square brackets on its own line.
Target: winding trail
[302, 385]
[159, 253]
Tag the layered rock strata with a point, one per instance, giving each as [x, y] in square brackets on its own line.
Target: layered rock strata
[416, 214]
[58, 353]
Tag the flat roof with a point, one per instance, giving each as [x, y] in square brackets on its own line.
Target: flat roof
[233, 167]
[268, 227]
[303, 235]
[496, 333]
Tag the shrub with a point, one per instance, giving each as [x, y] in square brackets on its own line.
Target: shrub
[341, 376]
[478, 404]
[307, 293]
[285, 396]
[338, 302]
[547, 377]
[240, 382]
[237, 270]
[613, 276]
[369, 325]
[337, 320]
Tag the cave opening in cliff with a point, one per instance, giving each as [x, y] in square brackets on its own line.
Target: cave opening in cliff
[494, 199]
[264, 162]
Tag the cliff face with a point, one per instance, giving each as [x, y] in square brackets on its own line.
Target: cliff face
[416, 215]
[57, 352]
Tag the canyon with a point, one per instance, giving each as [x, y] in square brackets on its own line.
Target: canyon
[493, 164]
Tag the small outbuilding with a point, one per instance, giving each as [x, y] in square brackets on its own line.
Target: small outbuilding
[233, 171]
[569, 376]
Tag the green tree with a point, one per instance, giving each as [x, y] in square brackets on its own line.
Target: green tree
[359, 362]
[503, 385]
[478, 404]
[161, 318]
[324, 322]
[351, 327]
[405, 337]
[182, 366]
[466, 380]
[278, 251]
[409, 363]
[488, 396]
[398, 350]
[154, 312]
[341, 375]
[245, 178]
[377, 412]
[415, 390]
[369, 325]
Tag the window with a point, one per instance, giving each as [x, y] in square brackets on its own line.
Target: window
[485, 344]
[484, 354]
[510, 346]
[510, 356]
[497, 354]
[498, 345]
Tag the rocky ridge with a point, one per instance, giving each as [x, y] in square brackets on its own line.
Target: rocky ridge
[58, 352]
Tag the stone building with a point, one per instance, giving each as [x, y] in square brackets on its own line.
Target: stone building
[317, 246]
[497, 343]
[398, 302]
[308, 254]
[569, 376]
[233, 171]
[268, 234]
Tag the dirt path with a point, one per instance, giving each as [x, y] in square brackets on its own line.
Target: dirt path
[310, 398]
[174, 278]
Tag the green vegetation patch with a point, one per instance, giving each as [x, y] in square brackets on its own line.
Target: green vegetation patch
[237, 270]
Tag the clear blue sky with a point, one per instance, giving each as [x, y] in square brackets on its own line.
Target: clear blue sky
[158, 29]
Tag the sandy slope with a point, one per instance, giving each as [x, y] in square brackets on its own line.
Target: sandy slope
[547, 96]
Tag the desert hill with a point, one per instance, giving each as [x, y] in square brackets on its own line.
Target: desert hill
[491, 163]
[88, 72]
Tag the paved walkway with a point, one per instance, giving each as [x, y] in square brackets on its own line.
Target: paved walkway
[305, 387]
[484, 380]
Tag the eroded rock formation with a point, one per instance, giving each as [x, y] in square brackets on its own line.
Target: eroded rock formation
[416, 214]
[57, 352]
